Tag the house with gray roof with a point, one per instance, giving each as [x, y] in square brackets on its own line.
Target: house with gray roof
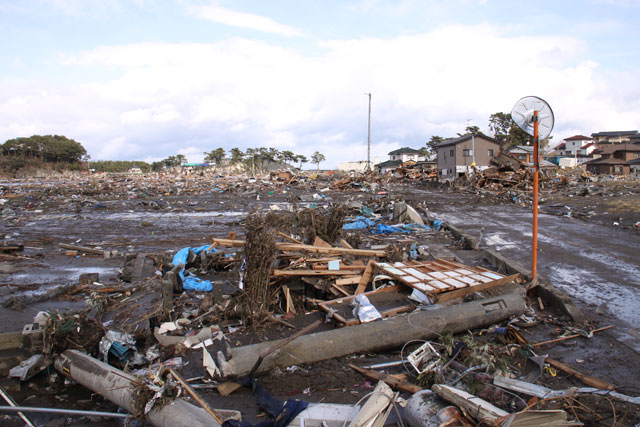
[456, 156]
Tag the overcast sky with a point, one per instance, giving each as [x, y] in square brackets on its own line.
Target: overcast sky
[145, 79]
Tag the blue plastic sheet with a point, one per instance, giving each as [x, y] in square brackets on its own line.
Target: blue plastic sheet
[388, 229]
[360, 223]
[192, 282]
[437, 224]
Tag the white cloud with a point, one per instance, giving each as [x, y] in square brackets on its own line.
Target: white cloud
[233, 18]
[243, 93]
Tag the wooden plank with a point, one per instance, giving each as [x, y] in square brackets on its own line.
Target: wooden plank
[455, 283]
[479, 409]
[348, 281]
[587, 379]
[321, 243]
[447, 296]
[395, 288]
[282, 273]
[81, 249]
[342, 291]
[342, 266]
[287, 296]
[366, 277]
[392, 382]
[308, 248]
[345, 244]
[286, 236]
[568, 337]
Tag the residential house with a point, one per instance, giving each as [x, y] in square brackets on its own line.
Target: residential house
[405, 154]
[615, 159]
[574, 151]
[572, 145]
[524, 153]
[456, 156]
[388, 166]
[634, 167]
[360, 166]
[614, 137]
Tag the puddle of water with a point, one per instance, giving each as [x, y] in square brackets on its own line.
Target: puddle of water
[498, 241]
[591, 288]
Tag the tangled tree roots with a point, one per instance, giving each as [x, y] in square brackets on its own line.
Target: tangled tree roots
[326, 225]
[260, 253]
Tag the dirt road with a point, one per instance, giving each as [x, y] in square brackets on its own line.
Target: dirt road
[597, 265]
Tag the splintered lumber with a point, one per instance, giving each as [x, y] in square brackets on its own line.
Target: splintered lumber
[81, 248]
[196, 396]
[447, 296]
[342, 291]
[376, 409]
[366, 277]
[286, 236]
[320, 242]
[280, 273]
[568, 337]
[393, 382]
[348, 281]
[307, 248]
[345, 244]
[587, 379]
[479, 409]
[287, 295]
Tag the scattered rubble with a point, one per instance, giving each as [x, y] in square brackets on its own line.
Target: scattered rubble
[330, 283]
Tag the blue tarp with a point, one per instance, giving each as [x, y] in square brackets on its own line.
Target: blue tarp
[191, 282]
[361, 223]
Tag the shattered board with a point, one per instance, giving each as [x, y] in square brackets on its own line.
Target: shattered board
[444, 279]
[389, 301]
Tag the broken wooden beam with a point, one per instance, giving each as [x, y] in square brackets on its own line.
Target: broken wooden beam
[81, 248]
[366, 277]
[479, 409]
[281, 273]
[307, 248]
[587, 379]
[393, 382]
[449, 295]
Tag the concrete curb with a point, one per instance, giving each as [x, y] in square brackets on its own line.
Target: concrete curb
[544, 290]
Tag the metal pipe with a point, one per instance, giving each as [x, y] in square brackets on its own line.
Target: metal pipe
[63, 411]
[386, 364]
[10, 401]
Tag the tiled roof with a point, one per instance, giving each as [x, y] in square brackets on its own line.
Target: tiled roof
[456, 141]
[578, 138]
[616, 133]
[404, 150]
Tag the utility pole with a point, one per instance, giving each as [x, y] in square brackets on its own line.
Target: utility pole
[369, 135]
[473, 145]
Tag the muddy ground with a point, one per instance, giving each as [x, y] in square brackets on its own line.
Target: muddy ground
[133, 216]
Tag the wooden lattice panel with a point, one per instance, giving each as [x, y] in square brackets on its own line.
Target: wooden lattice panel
[444, 279]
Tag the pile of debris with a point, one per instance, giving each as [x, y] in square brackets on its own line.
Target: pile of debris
[176, 336]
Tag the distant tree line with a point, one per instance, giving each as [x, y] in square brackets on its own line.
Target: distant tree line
[46, 148]
[252, 158]
[116, 166]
